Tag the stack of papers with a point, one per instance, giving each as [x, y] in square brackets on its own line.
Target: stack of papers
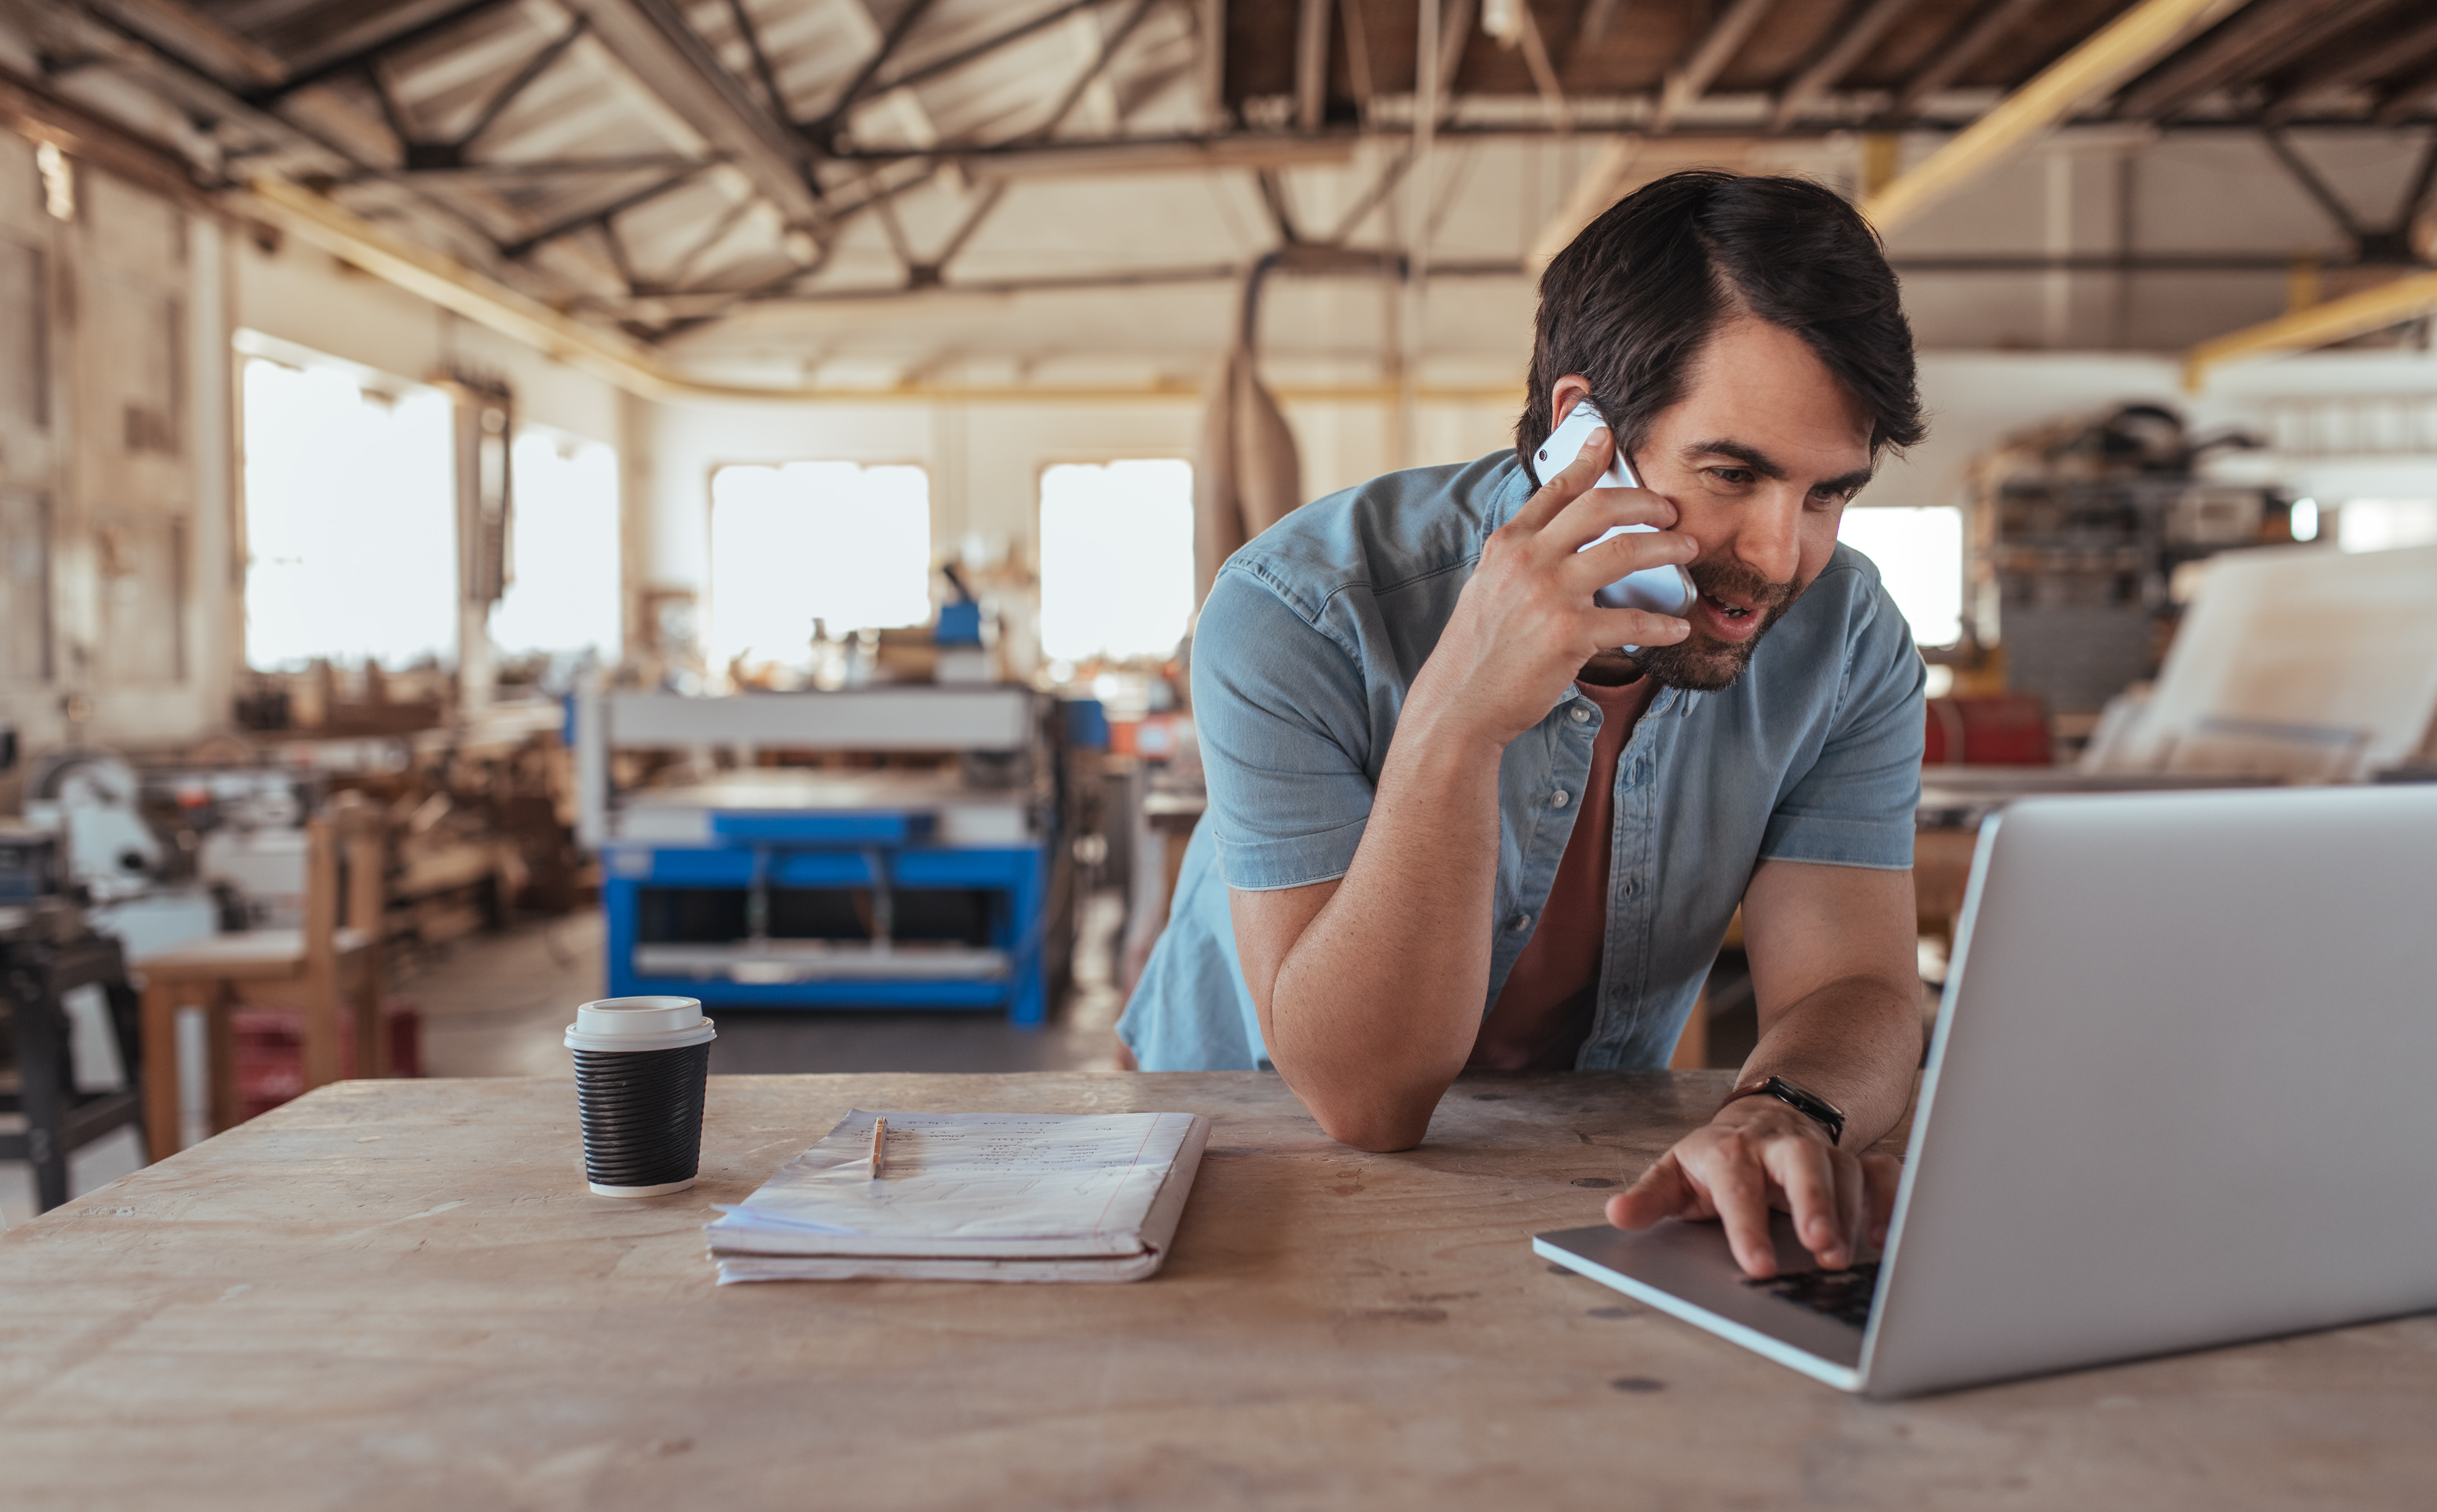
[970, 1197]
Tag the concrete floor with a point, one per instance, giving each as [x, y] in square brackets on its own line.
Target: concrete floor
[495, 1005]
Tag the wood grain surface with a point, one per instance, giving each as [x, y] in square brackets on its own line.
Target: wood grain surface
[399, 1294]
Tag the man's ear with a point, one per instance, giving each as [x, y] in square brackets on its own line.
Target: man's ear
[1564, 395]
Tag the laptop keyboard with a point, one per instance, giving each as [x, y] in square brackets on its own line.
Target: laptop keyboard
[1844, 1295]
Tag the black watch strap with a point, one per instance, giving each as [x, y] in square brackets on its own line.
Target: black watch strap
[1817, 1109]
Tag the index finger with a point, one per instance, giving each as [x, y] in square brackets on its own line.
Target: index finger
[1662, 1192]
[1568, 481]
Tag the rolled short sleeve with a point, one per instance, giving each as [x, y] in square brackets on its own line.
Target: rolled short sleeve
[1855, 806]
[1281, 711]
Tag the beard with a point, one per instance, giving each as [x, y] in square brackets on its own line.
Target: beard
[1703, 663]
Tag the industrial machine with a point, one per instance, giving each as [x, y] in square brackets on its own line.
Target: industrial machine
[897, 856]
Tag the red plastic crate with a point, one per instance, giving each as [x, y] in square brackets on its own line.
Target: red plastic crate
[2012, 731]
[268, 1050]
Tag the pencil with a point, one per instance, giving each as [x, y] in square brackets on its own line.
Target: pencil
[879, 1134]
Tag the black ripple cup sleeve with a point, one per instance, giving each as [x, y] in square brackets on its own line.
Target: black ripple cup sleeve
[642, 1066]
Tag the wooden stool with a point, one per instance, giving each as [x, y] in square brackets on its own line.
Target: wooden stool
[323, 970]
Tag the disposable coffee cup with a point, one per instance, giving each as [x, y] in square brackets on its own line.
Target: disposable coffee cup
[641, 1066]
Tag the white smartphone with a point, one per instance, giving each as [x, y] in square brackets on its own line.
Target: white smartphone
[1661, 590]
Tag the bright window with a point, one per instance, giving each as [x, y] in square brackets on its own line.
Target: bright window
[2386, 523]
[845, 545]
[1919, 554]
[1117, 559]
[350, 519]
[564, 594]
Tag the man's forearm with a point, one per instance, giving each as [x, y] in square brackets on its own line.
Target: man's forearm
[1854, 1041]
[1374, 1009]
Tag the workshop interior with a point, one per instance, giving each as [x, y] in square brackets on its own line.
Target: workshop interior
[508, 503]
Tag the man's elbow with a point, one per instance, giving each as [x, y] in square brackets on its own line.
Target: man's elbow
[1381, 1128]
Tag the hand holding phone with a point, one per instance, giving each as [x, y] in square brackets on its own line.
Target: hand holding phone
[1661, 590]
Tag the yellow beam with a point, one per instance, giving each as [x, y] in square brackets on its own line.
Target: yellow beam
[2337, 319]
[2117, 51]
[316, 221]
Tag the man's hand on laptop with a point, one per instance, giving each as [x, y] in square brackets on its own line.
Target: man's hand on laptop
[1526, 622]
[1758, 1154]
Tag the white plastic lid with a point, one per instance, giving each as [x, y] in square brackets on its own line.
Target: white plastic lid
[639, 1023]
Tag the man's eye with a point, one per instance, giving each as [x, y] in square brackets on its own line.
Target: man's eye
[1731, 475]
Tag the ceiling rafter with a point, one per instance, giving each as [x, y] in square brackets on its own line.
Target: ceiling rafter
[315, 124]
[2406, 97]
[1122, 154]
[934, 272]
[925, 73]
[1538, 62]
[352, 25]
[752, 36]
[2260, 32]
[2092, 70]
[508, 94]
[680, 270]
[1311, 64]
[1092, 72]
[614, 246]
[1995, 22]
[654, 42]
[1858, 37]
[519, 249]
[858, 88]
[1357, 58]
[574, 167]
[360, 58]
[1455, 34]
[2390, 243]
[2315, 186]
[1597, 17]
[437, 85]
[1273, 200]
[1709, 57]
[401, 125]
[2367, 61]
[2418, 192]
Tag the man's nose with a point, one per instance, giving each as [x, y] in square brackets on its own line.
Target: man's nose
[1768, 537]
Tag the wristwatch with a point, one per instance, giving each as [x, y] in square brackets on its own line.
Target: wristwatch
[1817, 1109]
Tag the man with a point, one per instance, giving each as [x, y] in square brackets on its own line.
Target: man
[1451, 825]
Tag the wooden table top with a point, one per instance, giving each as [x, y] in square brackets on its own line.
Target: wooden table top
[399, 1294]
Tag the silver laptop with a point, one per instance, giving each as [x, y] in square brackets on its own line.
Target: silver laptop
[2182, 1092]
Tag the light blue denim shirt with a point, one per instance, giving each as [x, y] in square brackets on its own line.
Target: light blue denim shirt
[1312, 635]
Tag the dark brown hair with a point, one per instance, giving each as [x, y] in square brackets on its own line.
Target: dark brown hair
[1632, 301]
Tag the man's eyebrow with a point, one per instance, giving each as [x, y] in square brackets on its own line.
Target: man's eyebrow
[1759, 462]
[1751, 457]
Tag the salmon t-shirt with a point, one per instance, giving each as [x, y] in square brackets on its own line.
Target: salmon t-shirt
[1543, 1013]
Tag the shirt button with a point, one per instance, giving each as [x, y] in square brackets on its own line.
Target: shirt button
[1582, 714]
[1518, 923]
[1560, 798]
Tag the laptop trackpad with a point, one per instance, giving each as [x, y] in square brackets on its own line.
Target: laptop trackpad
[1687, 1269]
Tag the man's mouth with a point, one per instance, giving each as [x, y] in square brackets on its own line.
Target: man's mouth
[1725, 619]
